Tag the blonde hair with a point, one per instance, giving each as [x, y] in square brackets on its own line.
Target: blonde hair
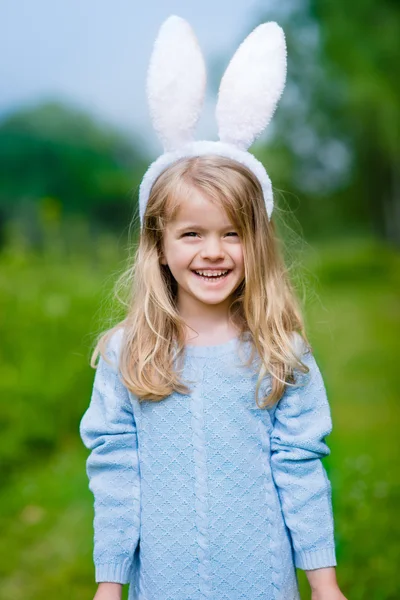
[264, 305]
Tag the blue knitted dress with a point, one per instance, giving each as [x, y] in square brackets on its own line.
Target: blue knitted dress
[206, 496]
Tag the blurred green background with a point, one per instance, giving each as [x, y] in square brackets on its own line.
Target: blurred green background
[68, 190]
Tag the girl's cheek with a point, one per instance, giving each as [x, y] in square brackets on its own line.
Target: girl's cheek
[238, 253]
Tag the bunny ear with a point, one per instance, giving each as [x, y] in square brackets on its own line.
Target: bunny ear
[176, 83]
[252, 85]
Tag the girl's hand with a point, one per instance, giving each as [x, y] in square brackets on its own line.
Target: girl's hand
[324, 585]
[328, 594]
[108, 591]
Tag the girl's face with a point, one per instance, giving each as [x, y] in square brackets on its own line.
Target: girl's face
[204, 253]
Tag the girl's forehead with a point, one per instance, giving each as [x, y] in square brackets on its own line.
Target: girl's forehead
[197, 208]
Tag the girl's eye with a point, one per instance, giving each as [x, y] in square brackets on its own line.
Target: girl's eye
[192, 233]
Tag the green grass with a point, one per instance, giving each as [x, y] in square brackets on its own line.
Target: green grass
[50, 307]
[353, 329]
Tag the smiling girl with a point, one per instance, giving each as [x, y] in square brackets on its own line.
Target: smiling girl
[208, 416]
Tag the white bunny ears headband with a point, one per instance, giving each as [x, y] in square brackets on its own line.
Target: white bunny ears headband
[248, 95]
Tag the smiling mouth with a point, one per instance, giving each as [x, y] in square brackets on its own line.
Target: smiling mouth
[212, 277]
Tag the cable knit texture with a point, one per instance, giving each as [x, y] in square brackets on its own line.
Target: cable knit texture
[205, 495]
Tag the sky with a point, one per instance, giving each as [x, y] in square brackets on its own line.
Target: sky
[94, 54]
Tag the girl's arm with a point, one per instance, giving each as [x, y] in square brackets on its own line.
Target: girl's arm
[302, 420]
[108, 429]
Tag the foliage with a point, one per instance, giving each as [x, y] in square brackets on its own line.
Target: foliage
[85, 167]
[47, 327]
[335, 134]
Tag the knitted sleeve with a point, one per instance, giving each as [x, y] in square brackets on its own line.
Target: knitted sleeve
[108, 429]
[302, 420]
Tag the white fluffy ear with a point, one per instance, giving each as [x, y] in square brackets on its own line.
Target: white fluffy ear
[176, 83]
[252, 85]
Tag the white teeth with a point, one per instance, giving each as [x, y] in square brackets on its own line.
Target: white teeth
[211, 273]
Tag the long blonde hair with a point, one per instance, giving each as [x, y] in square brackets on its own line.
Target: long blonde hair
[264, 305]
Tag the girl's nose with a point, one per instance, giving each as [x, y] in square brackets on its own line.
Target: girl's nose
[212, 248]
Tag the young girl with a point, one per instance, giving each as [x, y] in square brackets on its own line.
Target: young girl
[208, 414]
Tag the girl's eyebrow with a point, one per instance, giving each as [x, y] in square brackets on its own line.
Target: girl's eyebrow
[189, 226]
[199, 228]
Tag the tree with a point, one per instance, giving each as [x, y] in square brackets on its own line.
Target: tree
[335, 134]
[58, 152]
